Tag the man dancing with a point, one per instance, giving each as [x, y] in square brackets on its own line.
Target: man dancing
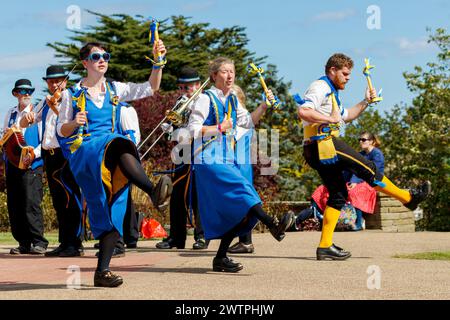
[322, 113]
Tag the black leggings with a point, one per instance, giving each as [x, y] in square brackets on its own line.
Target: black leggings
[123, 154]
[255, 211]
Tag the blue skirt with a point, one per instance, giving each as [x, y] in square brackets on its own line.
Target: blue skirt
[224, 195]
[86, 164]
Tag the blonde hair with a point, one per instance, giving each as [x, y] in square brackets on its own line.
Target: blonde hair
[215, 65]
[240, 95]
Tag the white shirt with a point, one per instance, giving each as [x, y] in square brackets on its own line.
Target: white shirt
[125, 91]
[317, 98]
[200, 111]
[49, 140]
[20, 114]
[129, 121]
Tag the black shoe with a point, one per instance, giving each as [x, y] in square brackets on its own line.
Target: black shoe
[161, 192]
[226, 265]
[71, 252]
[279, 228]
[418, 195]
[54, 252]
[131, 245]
[169, 243]
[117, 253]
[200, 244]
[38, 250]
[107, 279]
[240, 247]
[20, 250]
[333, 253]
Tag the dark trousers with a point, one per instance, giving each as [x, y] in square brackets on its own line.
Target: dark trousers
[68, 212]
[180, 201]
[332, 175]
[24, 197]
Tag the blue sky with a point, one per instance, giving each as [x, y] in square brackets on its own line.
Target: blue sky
[297, 36]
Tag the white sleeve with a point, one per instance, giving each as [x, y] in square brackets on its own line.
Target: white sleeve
[200, 111]
[315, 95]
[243, 118]
[129, 121]
[132, 91]
[37, 150]
[344, 114]
[65, 111]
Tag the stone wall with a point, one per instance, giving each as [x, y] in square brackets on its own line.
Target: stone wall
[390, 216]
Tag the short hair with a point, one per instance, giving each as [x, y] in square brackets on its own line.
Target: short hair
[86, 49]
[338, 60]
[215, 65]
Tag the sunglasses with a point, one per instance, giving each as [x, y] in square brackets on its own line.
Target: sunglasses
[95, 56]
[24, 91]
[364, 139]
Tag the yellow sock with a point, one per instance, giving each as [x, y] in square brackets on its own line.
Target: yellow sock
[330, 219]
[392, 190]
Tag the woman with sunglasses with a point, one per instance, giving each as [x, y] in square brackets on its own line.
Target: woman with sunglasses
[103, 160]
[360, 194]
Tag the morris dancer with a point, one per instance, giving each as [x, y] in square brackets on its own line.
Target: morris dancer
[322, 112]
[102, 159]
[229, 204]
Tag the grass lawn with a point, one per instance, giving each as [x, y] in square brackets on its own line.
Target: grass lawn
[443, 255]
[7, 238]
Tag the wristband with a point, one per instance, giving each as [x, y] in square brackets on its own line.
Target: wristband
[219, 127]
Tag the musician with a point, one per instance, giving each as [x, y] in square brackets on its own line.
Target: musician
[64, 190]
[228, 203]
[24, 186]
[183, 201]
[103, 160]
[321, 112]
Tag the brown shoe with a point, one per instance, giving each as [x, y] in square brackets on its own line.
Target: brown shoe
[107, 279]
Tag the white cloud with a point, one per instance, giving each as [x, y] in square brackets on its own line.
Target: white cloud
[26, 61]
[413, 46]
[334, 15]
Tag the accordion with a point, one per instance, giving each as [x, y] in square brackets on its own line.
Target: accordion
[16, 149]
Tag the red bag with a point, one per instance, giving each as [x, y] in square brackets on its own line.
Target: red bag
[152, 229]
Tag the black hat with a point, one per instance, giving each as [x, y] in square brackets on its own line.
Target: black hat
[188, 74]
[54, 72]
[23, 84]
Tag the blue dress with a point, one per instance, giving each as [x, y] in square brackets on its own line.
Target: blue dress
[105, 210]
[224, 194]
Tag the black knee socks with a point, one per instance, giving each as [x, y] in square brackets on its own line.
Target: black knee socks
[228, 237]
[107, 243]
[258, 212]
[133, 171]
[246, 238]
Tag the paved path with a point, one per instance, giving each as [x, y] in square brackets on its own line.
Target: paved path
[286, 270]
